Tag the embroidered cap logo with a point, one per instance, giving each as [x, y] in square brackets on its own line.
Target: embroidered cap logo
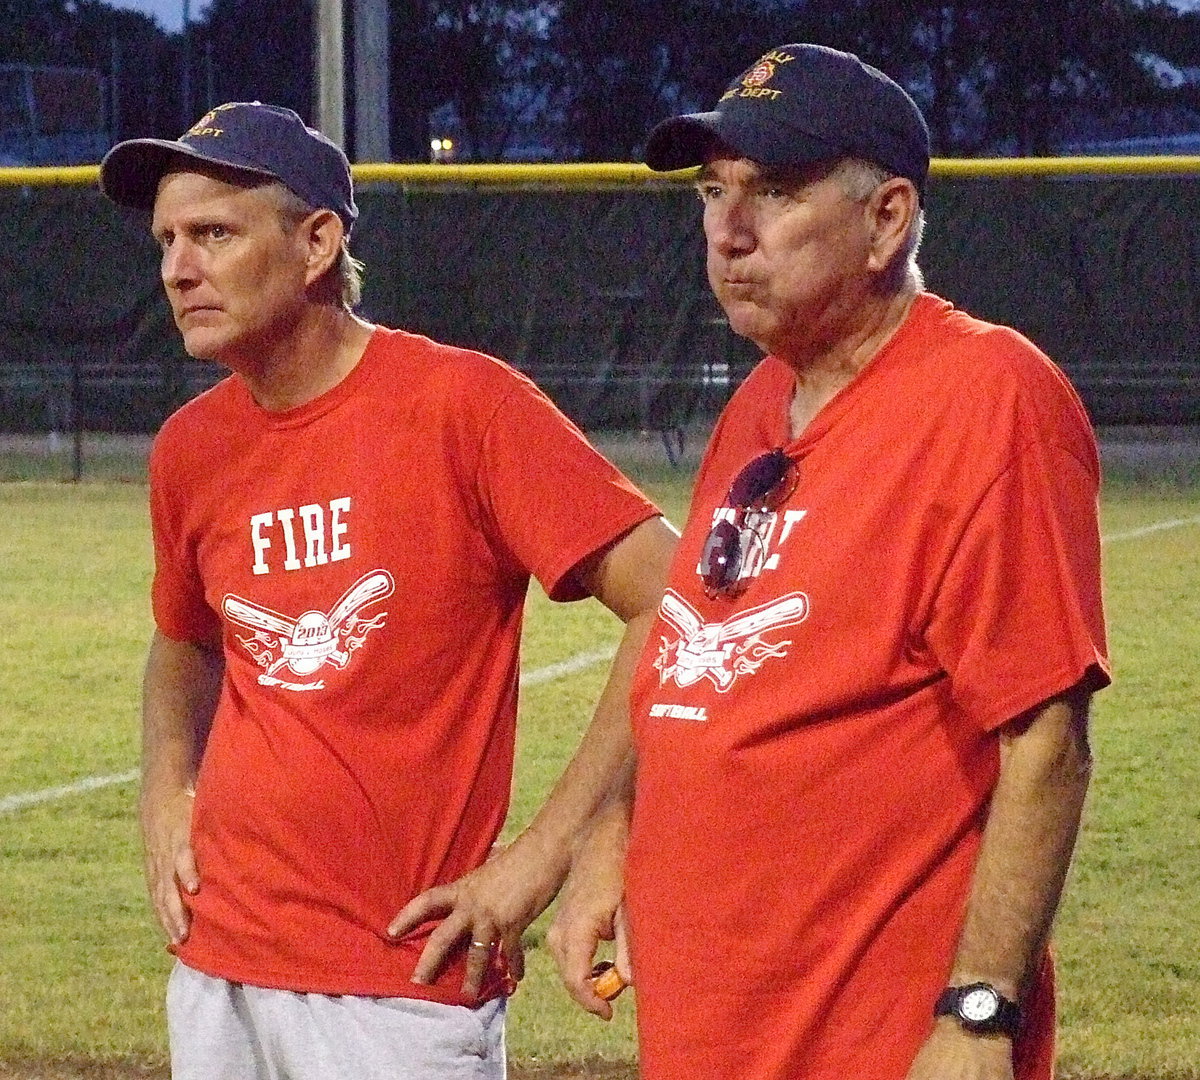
[762, 72]
[208, 123]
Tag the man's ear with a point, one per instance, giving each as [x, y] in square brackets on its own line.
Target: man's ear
[321, 232]
[893, 207]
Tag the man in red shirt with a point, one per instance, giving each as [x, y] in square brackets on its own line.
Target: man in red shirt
[344, 532]
[860, 722]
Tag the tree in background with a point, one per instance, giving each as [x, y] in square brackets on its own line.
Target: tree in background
[486, 66]
[260, 51]
[467, 68]
[993, 78]
[37, 32]
[581, 80]
[137, 60]
[1075, 60]
[613, 68]
[140, 62]
[990, 77]
[1172, 38]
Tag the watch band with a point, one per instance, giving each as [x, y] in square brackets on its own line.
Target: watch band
[980, 1008]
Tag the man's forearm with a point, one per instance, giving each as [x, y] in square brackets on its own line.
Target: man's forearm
[498, 900]
[628, 579]
[1027, 845]
[179, 694]
[604, 753]
[589, 907]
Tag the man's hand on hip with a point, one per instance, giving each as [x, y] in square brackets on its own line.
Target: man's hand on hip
[170, 863]
[488, 908]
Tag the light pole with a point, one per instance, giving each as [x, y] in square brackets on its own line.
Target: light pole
[185, 90]
[331, 79]
[372, 121]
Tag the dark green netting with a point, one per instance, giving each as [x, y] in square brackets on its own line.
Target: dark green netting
[601, 297]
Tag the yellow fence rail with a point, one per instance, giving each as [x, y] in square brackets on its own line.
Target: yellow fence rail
[628, 173]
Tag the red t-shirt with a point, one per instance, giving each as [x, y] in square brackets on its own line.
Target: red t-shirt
[363, 561]
[816, 756]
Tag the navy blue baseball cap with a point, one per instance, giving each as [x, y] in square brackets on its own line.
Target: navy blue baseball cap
[263, 140]
[800, 104]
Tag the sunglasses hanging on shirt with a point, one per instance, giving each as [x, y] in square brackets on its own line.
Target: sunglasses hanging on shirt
[762, 486]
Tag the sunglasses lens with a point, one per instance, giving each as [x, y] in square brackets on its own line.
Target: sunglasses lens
[732, 546]
[758, 481]
[721, 559]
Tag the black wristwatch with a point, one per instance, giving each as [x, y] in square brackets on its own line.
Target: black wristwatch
[980, 1008]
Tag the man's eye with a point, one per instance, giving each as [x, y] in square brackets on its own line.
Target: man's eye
[218, 232]
[707, 192]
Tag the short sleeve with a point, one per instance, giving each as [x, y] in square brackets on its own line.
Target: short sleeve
[552, 497]
[177, 593]
[1018, 616]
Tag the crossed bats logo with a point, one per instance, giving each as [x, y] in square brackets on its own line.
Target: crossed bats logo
[722, 651]
[316, 638]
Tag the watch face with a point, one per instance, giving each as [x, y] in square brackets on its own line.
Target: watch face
[979, 1005]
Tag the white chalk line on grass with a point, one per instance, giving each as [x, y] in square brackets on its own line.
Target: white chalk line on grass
[580, 662]
[1146, 530]
[11, 803]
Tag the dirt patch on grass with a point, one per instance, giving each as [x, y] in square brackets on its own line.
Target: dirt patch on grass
[557, 1070]
[80, 1070]
[536, 1070]
[93, 1070]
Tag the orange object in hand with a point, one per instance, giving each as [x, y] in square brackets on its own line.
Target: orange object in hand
[606, 980]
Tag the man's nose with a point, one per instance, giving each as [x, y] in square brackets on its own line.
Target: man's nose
[729, 226]
[179, 264]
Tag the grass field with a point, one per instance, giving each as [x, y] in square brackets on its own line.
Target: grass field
[82, 968]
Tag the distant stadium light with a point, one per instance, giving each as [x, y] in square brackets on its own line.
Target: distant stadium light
[441, 149]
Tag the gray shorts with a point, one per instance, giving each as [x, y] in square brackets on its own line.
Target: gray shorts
[227, 1031]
